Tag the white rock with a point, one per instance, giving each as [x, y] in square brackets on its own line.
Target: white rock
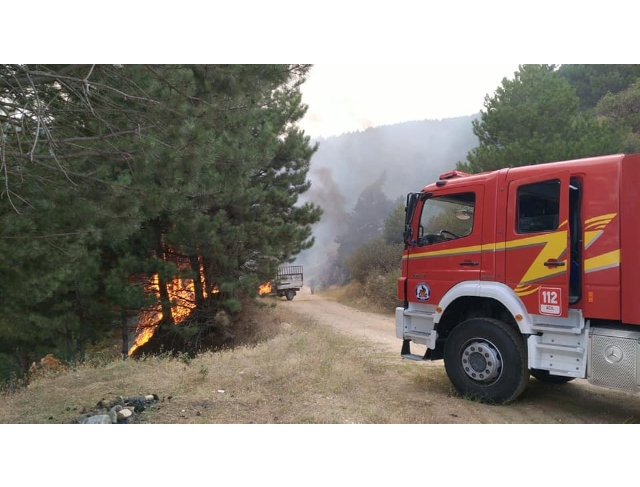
[98, 419]
[113, 415]
[124, 413]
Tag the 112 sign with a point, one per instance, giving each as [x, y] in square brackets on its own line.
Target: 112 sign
[550, 301]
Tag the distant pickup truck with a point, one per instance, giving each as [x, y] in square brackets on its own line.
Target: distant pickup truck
[288, 281]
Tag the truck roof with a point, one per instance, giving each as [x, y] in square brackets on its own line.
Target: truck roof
[458, 178]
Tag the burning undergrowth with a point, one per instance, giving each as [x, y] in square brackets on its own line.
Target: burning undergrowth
[191, 329]
[202, 329]
[183, 317]
[190, 319]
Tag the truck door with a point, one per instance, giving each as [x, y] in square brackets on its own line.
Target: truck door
[536, 242]
[448, 248]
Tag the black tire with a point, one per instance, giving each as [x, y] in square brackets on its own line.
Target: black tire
[290, 294]
[486, 361]
[545, 376]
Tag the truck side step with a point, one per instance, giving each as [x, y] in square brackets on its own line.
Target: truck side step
[572, 325]
[417, 334]
[556, 329]
[426, 315]
[406, 352]
[413, 356]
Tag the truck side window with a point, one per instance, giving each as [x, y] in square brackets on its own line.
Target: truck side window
[538, 207]
[446, 218]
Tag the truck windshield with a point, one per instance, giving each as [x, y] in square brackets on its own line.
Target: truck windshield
[446, 218]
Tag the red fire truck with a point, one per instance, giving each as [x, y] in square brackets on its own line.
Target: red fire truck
[526, 271]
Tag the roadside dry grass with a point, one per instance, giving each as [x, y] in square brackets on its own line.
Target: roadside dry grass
[351, 295]
[304, 374]
[300, 372]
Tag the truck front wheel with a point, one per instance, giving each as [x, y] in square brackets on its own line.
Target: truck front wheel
[486, 361]
[290, 294]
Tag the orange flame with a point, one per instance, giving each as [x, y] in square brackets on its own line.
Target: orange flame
[264, 288]
[182, 296]
[144, 334]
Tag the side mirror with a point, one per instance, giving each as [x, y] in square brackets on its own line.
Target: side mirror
[409, 209]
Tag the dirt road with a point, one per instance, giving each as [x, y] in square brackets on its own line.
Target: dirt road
[378, 328]
[574, 402]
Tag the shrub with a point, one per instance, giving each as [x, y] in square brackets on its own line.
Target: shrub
[381, 289]
[374, 258]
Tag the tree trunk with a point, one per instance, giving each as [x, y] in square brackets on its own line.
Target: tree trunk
[165, 299]
[197, 282]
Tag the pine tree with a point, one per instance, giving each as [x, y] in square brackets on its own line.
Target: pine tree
[134, 171]
[533, 119]
[623, 110]
[593, 81]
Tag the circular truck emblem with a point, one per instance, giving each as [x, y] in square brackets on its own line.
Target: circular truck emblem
[613, 354]
[423, 293]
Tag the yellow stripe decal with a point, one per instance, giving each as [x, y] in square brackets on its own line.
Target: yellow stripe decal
[474, 249]
[555, 245]
[601, 262]
[608, 217]
[590, 237]
[525, 290]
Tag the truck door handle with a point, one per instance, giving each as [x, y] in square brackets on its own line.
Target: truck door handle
[469, 263]
[554, 263]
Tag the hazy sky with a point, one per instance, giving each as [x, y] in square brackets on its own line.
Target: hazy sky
[350, 97]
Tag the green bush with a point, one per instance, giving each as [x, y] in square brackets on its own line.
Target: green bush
[375, 258]
[381, 289]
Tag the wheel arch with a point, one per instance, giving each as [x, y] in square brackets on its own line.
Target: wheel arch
[480, 299]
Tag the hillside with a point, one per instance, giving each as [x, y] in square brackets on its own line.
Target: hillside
[406, 155]
[407, 152]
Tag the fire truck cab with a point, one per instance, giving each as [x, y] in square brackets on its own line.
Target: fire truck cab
[526, 271]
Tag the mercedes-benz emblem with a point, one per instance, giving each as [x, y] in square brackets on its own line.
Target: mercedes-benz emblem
[613, 354]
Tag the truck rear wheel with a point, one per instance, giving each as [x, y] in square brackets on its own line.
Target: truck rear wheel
[290, 294]
[486, 361]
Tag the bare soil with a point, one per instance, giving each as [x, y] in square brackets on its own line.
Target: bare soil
[573, 402]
